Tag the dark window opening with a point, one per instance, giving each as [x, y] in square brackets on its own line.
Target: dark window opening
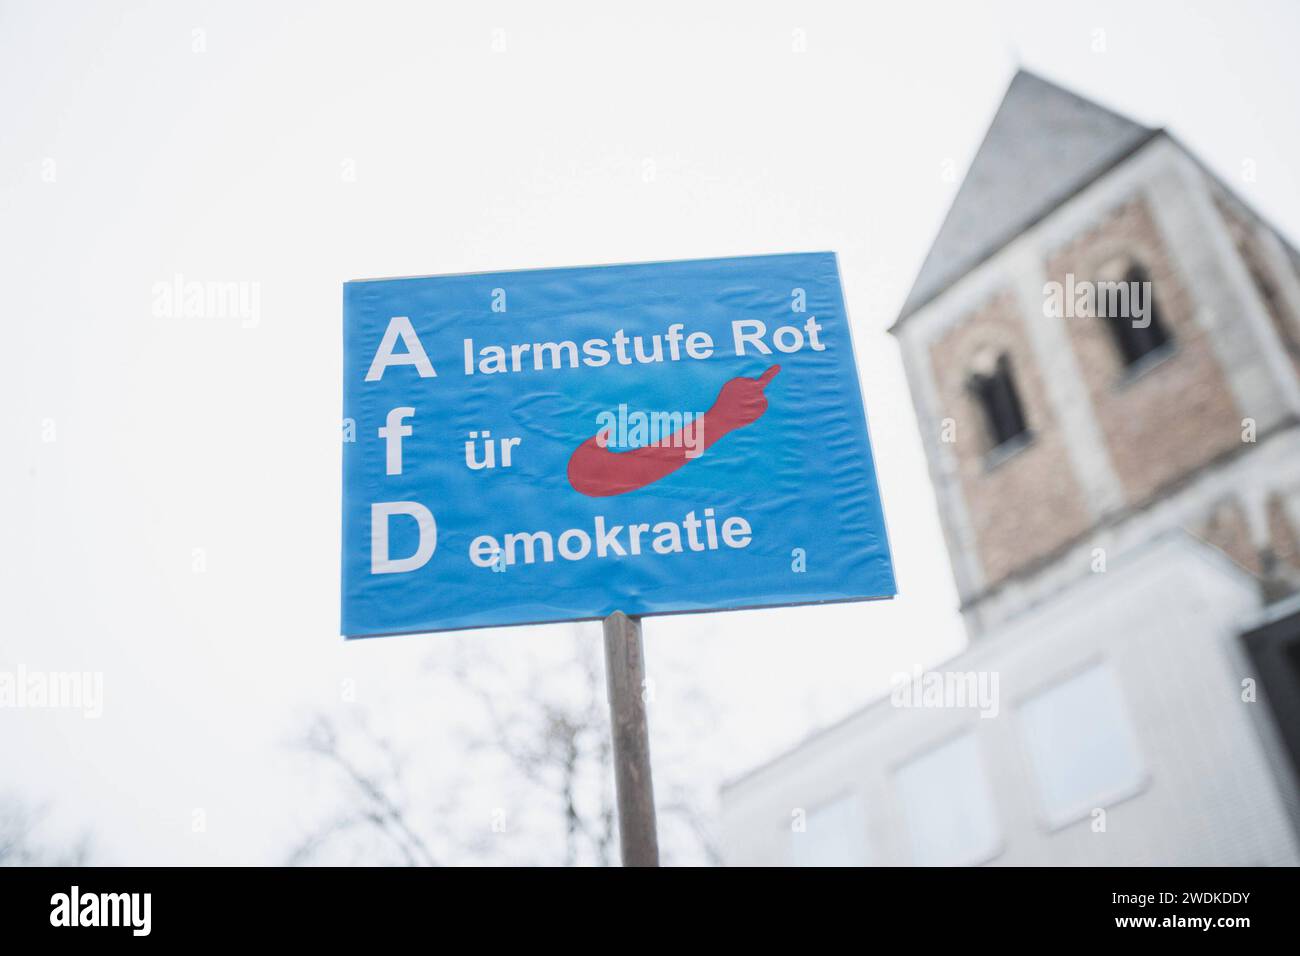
[996, 391]
[1274, 650]
[1136, 337]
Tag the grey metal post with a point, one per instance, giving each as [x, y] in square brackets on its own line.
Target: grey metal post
[625, 678]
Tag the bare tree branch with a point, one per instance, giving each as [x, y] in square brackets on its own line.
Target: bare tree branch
[548, 720]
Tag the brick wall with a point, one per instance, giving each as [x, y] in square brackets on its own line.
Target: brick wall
[1227, 529]
[1243, 237]
[1177, 414]
[1029, 504]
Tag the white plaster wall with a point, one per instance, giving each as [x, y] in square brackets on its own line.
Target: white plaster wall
[1166, 622]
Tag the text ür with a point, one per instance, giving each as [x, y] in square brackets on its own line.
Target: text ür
[481, 450]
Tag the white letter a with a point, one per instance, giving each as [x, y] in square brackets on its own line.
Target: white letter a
[59, 915]
[400, 325]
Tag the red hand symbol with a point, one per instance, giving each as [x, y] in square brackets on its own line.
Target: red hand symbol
[741, 401]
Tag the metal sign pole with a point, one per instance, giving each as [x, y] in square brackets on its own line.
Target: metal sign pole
[625, 678]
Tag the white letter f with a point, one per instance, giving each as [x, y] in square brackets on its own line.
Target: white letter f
[394, 431]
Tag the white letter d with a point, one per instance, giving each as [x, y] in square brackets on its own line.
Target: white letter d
[380, 511]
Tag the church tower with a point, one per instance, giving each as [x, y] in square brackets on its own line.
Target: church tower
[1103, 347]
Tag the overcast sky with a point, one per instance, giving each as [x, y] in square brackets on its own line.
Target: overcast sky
[171, 486]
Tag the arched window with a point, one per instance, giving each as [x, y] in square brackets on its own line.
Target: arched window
[1132, 315]
[994, 387]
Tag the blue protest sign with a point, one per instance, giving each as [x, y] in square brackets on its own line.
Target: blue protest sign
[559, 444]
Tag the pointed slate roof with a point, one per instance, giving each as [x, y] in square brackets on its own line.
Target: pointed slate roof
[1044, 144]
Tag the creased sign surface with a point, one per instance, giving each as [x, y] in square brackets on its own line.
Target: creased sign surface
[563, 443]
